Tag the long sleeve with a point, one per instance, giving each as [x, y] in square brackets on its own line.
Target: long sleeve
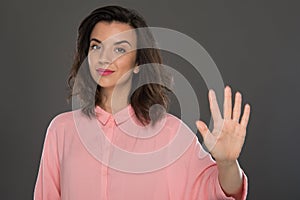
[71, 169]
[48, 180]
[203, 176]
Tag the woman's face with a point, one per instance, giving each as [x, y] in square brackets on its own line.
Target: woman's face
[112, 53]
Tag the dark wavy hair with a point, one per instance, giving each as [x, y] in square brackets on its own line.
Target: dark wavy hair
[140, 98]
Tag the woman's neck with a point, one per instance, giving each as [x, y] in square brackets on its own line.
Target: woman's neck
[114, 99]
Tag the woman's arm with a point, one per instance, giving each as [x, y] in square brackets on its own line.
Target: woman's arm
[226, 140]
[231, 179]
[47, 185]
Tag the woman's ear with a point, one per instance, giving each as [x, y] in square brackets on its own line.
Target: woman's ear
[136, 69]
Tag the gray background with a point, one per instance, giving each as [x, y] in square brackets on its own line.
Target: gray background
[255, 45]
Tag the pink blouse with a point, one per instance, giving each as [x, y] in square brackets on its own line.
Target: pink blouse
[113, 157]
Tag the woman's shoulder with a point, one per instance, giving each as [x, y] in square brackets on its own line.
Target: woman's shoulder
[176, 123]
[63, 120]
[172, 119]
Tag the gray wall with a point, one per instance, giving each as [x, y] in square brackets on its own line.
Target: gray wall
[254, 43]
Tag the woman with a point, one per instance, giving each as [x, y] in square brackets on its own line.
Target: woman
[79, 164]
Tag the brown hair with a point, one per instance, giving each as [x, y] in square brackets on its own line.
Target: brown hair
[141, 98]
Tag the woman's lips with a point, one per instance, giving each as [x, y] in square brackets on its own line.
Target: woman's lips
[104, 72]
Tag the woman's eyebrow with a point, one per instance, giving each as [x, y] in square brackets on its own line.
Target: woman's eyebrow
[123, 41]
[116, 43]
[94, 39]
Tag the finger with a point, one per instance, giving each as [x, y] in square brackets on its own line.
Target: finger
[214, 108]
[203, 129]
[227, 103]
[237, 107]
[245, 118]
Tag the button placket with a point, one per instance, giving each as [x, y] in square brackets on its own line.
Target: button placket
[109, 133]
[110, 128]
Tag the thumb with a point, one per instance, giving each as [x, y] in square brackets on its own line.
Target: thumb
[202, 128]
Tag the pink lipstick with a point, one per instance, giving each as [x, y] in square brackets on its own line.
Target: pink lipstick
[104, 72]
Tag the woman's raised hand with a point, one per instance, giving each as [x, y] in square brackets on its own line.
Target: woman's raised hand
[227, 138]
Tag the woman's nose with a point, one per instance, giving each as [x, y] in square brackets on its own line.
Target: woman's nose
[105, 56]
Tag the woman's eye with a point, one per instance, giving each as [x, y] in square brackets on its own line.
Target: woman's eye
[95, 47]
[120, 50]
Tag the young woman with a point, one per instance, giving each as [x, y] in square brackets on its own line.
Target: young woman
[123, 160]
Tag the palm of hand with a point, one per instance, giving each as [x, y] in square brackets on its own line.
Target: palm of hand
[227, 138]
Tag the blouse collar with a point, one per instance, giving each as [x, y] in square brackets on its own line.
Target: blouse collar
[119, 117]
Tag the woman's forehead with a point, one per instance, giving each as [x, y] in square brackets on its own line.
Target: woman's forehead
[113, 32]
